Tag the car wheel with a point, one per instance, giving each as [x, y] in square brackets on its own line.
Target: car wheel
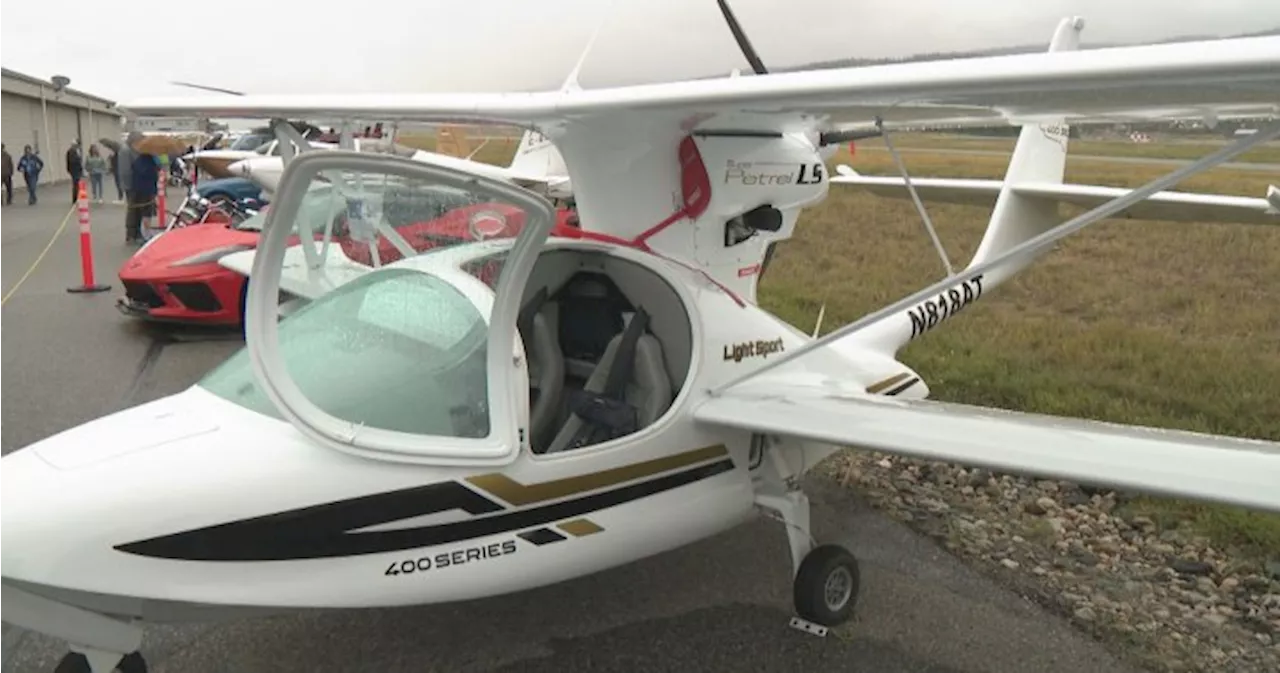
[244, 300]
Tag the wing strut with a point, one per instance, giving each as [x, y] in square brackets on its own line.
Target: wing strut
[1030, 247]
[291, 142]
[924, 214]
[288, 139]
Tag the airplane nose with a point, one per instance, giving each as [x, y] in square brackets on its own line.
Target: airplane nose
[263, 171]
[28, 483]
[62, 499]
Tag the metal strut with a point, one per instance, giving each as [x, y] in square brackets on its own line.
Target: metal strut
[1029, 246]
[290, 143]
[915, 198]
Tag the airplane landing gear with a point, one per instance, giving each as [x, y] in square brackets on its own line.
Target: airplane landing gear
[79, 662]
[98, 643]
[826, 577]
[826, 587]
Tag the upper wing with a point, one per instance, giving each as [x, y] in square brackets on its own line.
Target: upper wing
[1163, 462]
[1164, 206]
[1199, 80]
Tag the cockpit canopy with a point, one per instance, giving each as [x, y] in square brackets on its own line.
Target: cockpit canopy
[406, 345]
[397, 349]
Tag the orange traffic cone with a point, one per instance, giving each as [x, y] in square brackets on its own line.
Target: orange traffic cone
[86, 246]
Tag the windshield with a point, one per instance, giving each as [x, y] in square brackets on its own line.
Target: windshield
[399, 206]
[250, 141]
[396, 349]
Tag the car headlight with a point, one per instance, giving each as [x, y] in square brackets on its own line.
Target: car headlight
[211, 255]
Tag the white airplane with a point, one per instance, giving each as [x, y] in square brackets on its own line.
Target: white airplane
[535, 165]
[502, 414]
[217, 163]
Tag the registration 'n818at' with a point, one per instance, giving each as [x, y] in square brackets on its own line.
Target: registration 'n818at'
[925, 315]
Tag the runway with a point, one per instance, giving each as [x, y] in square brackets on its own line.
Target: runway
[718, 605]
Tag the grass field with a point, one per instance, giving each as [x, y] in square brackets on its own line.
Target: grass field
[1163, 324]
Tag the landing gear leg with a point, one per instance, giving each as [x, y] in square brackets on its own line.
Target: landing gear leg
[98, 642]
[826, 577]
[88, 660]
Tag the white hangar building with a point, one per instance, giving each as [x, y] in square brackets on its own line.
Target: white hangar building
[49, 118]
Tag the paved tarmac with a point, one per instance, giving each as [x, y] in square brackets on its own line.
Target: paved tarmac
[718, 605]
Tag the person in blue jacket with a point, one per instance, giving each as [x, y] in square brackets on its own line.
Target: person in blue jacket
[30, 166]
[144, 176]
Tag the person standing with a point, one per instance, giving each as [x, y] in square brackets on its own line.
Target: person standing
[113, 162]
[75, 168]
[6, 162]
[145, 175]
[124, 173]
[97, 169]
[30, 166]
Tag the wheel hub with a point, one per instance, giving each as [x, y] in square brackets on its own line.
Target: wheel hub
[838, 588]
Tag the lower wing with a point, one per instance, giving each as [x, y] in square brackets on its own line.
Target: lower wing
[1226, 470]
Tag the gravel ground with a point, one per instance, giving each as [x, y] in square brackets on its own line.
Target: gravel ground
[1166, 599]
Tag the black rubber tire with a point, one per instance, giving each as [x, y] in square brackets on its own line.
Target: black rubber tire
[132, 663]
[244, 303]
[74, 662]
[810, 589]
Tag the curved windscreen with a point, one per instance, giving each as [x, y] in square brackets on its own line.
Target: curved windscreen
[251, 142]
[397, 349]
[326, 205]
[405, 347]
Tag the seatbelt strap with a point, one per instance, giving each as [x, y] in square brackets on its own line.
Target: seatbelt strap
[624, 359]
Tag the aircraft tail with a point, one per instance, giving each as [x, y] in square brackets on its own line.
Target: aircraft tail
[1025, 206]
[1040, 156]
[537, 156]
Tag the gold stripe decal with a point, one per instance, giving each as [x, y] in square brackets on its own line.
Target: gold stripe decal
[580, 527]
[512, 491]
[881, 385]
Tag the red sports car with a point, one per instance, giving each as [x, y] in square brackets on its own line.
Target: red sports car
[176, 277]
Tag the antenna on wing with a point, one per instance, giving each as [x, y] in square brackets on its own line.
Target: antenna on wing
[191, 85]
[741, 38]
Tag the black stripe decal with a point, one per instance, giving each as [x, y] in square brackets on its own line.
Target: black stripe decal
[541, 536]
[321, 531]
[910, 382]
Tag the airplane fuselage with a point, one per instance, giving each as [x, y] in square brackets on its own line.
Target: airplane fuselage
[195, 506]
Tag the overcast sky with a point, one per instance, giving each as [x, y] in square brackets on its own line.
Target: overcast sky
[130, 48]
